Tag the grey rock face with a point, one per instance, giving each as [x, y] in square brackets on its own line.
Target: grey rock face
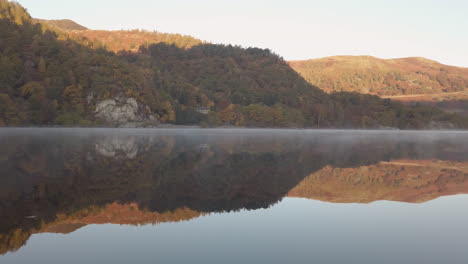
[123, 112]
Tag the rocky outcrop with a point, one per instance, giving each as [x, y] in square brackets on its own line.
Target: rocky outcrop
[124, 112]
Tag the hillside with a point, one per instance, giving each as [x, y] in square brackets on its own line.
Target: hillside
[53, 77]
[365, 74]
[115, 40]
[62, 24]
[130, 40]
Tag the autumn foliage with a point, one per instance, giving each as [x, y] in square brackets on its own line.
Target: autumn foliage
[55, 76]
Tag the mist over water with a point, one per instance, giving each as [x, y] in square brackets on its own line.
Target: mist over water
[232, 196]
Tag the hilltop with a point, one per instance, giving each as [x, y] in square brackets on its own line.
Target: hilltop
[383, 77]
[130, 40]
[114, 40]
[62, 24]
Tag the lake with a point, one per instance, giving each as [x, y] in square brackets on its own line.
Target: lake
[232, 196]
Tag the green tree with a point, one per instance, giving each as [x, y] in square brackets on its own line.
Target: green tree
[7, 111]
[33, 89]
[73, 97]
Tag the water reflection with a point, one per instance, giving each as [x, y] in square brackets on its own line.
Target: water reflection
[61, 180]
[413, 181]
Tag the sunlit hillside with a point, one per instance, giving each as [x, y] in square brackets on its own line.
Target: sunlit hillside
[366, 74]
[116, 40]
[61, 24]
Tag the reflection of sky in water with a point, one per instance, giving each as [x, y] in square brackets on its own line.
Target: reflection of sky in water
[293, 231]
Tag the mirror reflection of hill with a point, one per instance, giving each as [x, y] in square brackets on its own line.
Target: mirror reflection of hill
[59, 180]
[411, 181]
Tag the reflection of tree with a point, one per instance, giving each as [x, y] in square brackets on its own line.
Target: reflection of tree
[58, 175]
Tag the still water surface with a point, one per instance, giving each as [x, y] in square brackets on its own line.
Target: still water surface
[232, 196]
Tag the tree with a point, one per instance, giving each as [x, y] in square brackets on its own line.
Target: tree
[73, 97]
[33, 89]
[42, 65]
[231, 115]
[7, 111]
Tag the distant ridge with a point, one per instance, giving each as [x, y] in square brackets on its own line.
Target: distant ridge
[115, 40]
[64, 24]
[385, 77]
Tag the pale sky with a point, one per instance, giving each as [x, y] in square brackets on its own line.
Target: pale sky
[295, 29]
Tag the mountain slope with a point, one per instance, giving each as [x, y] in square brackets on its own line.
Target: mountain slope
[52, 78]
[365, 74]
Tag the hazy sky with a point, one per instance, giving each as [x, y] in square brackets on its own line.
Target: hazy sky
[295, 29]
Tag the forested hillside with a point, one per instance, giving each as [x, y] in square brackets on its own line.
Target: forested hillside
[365, 74]
[48, 78]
